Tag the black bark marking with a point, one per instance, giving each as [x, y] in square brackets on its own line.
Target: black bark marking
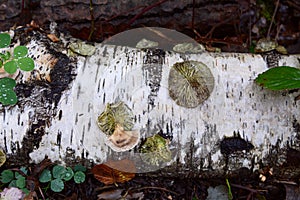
[233, 144]
[293, 157]
[296, 126]
[152, 71]
[58, 140]
[60, 115]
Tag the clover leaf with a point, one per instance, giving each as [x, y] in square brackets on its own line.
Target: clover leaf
[7, 94]
[4, 40]
[5, 56]
[57, 185]
[60, 174]
[11, 67]
[58, 171]
[21, 182]
[6, 176]
[45, 176]
[79, 177]
[26, 64]
[20, 52]
[68, 174]
[79, 168]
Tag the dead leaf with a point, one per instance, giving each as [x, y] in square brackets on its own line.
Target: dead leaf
[31, 196]
[124, 165]
[108, 174]
[2, 157]
[12, 194]
[53, 37]
[111, 194]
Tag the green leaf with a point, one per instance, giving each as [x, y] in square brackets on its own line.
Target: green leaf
[280, 78]
[13, 183]
[69, 174]
[58, 171]
[11, 67]
[79, 168]
[21, 182]
[18, 175]
[7, 176]
[45, 176]
[25, 190]
[26, 64]
[79, 177]
[8, 83]
[4, 40]
[57, 185]
[20, 52]
[8, 96]
[5, 56]
[24, 170]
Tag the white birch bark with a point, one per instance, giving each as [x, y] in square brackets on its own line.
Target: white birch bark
[115, 73]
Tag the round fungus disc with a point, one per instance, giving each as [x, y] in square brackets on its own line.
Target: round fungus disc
[155, 150]
[190, 83]
[118, 114]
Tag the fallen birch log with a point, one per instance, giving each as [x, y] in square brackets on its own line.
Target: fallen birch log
[238, 125]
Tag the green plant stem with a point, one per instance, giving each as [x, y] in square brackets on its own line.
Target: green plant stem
[230, 197]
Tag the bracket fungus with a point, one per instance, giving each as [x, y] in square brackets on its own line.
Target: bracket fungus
[155, 150]
[190, 83]
[2, 157]
[116, 121]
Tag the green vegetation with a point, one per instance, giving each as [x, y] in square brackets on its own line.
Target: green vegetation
[11, 62]
[280, 78]
[230, 196]
[59, 174]
[267, 8]
[55, 178]
[15, 179]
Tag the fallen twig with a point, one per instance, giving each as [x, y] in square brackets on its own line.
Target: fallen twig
[150, 187]
[92, 21]
[273, 17]
[145, 10]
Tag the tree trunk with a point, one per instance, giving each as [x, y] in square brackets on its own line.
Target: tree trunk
[239, 125]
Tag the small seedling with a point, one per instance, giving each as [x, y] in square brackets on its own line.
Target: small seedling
[15, 179]
[230, 196]
[12, 61]
[60, 174]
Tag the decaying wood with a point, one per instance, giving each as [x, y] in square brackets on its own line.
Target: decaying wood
[57, 116]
